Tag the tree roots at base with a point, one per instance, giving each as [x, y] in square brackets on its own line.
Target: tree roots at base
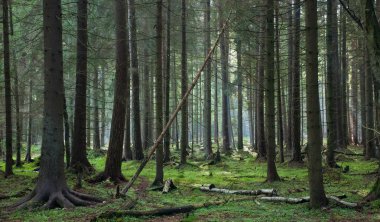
[64, 198]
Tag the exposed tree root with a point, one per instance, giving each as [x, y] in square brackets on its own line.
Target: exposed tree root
[64, 198]
[18, 194]
[103, 177]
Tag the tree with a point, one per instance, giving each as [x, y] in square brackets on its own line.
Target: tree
[28, 156]
[240, 94]
[79, 161]
[17, 98]
[224, 64]
[7, 88]
[370, 124]
[332, 72]
[51, 187]
[296, 107]
[272, 174]
[317, 193]
[112, 169]
[207, 87]
[136, 127]
[167, 82]
[184, 116]
[159, 179]
[96, 136]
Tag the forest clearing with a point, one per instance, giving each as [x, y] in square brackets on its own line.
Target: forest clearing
[212, 110]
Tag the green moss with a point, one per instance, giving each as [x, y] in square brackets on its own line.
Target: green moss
[230, 173]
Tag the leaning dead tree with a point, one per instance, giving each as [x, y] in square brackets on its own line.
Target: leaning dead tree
[172, 118]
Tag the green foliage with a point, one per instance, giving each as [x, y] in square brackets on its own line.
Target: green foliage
[240, 171]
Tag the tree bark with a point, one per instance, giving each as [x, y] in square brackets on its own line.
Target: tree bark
[79, 161]
[96, 136]
[184, 116]
[112, 168]
[317, 194]
[51, 187]
[370, 124]
[28, 156]
[159, 179]
[270, 117]
[17, 97]
[7, 88]
[136, 127]
[167, 82]
[332, 83]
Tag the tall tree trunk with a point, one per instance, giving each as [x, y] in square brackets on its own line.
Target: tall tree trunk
[260, 132]
[184, 117]
[159, 179]
[7, 88]
[240, 95]
[289, 141]
[362, 79]
[317, 193]
[279, 95]
[112, 168]
[344, 77]
[270, 117]
[224, 64]
[216, 110]
[296, 99]
[127, 150]
[103, 118]
[167, 82]
[147, 133]
[51, 188]
[96, 136]
[136, 127]
[370, 125]
[28, 156]
[207, 85]
[79, 160]
[332, 72]
[17, 97]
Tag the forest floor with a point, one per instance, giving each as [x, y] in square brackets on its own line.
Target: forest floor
[240, 171]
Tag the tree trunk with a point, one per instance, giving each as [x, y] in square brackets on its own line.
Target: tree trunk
[67, 133]
[136, 127]
[167, 83]
[224, 64]
[289, 141]
[207, 85]
[79, 160]
[28, 156]
[279, 95]
[147, 133]
[370, 125]
[51, 188]
[112, 168]
[96, 136]
[240, 95]
[7, 88]
[127, 151]
[18, 115]
[270, 117]
[344, 78]
[103, 118]
[159, 179]
[332, 72]
[184, 117]
[296, 99]
[317, 194]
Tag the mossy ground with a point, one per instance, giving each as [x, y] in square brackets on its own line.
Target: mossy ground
[234, 173]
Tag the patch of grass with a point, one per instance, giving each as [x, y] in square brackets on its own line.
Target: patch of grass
[231, 173]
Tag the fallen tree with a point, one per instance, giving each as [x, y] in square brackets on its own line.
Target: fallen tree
[165, 211]
[212, 188]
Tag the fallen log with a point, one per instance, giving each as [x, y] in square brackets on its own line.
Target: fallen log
[164, 211]
[343, 203]
[297, 200]
[212, 188]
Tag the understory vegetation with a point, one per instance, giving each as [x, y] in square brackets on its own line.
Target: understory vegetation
[238, 171]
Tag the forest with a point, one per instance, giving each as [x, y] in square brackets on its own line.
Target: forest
[190, 110]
